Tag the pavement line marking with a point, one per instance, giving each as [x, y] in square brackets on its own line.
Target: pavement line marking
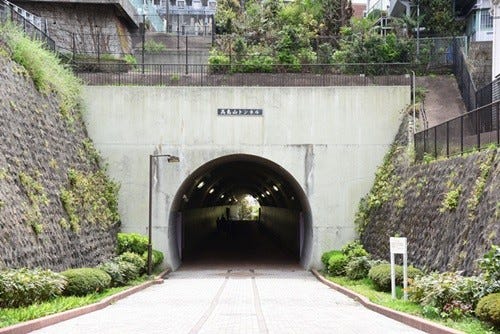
[258, 307]
[211, 308]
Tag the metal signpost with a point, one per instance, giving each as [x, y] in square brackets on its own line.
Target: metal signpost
[398, 246]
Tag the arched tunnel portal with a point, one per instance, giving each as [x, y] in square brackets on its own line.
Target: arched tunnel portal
[209, 226]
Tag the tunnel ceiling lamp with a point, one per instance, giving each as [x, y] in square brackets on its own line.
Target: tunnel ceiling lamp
[268, 193]
[200, 185]
[262, 195]
[211, 190]
[293, 198]
[222, 196]
[275, 187]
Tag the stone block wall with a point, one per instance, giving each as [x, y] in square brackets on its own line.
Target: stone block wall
[448, 209]
[38, 142]
[86, 28]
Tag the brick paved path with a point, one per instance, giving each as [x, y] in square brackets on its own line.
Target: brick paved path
[238, 300]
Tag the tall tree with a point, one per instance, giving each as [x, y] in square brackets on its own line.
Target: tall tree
[335, 14]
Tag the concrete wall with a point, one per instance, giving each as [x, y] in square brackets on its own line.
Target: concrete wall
[330, 139]
[284, 225]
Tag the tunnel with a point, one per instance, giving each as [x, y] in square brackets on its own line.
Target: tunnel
[241, 209]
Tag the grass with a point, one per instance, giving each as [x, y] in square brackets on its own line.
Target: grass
[45, 69]
[12, 316]
[365, 287]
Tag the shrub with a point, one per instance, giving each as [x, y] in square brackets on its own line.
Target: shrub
[488, 309]
[442, 289]
[336, 264]
[121, 272]
[132, 242]
[156, 258]
[490, 264]
[357, 268]
[135, 259]
[381, 276]
[22, 287]
[83, 281]
[326, 256]
[354, 249]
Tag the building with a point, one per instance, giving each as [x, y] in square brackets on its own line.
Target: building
[187, 17]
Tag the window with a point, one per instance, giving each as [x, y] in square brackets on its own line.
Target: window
[486, 20]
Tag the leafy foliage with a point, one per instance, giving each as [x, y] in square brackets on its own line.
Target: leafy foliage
[439, 18]
[326, 256]
[44, 67]
[21, 287]
[92, 197]
[152, 46]
[337, 264]
[132, 242]
[381, 275]
[136, 259]
[488, 309]
[82, 281]
[156, 258]
[357, 268]
[37, 198]
[121, 272]
[450, 293]
[354, 249]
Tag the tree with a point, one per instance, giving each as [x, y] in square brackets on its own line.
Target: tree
[334, 15]
[438, 17]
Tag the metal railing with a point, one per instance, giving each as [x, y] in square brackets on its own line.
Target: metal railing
[239, 75]
[27, 22]
[476, 129]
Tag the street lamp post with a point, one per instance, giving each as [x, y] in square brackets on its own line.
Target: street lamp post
[170, 158]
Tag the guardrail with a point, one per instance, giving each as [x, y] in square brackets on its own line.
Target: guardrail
[241, 75]
[476, 129]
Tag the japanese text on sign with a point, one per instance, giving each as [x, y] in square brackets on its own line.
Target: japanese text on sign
[239, 112]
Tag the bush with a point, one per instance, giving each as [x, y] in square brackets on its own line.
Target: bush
[488, 309]
[354, 249]
[132, 242]
[156, 258]
[336, 264]
[83, 281]
[326, 257]
[121, 272]
[22, 287]
[490, 264]
[357, 268]
[443, 290]
[381, 276]
[135, 259]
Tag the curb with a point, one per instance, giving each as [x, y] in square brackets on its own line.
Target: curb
[410, 320]
[31, 325]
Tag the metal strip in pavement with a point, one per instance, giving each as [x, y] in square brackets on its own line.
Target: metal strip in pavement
[211, 308]
[258, 307]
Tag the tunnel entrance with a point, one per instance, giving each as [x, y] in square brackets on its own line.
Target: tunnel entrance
[241, 209]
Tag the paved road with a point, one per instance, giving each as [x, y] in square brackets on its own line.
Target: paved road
[238, 300]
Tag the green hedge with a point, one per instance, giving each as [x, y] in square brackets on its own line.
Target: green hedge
[156, 258]
[135, 259]
[22, 287]
[121, 272]
[132, 242]
[488, 309]
[381, 275]
[326, 257]
[357, 268]
[336, 264]
[83, 281]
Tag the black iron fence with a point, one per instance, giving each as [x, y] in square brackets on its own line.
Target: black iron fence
[28, 23]
[238, 75]
[476, 129]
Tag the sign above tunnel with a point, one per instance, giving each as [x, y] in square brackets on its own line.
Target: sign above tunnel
[239, 112]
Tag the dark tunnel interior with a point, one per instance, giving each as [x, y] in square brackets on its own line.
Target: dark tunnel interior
[241, 209]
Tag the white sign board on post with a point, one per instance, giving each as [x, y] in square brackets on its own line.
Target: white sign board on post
[399, 246]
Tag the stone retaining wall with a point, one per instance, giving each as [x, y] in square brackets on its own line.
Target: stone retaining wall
[421, 207]
[38, 142]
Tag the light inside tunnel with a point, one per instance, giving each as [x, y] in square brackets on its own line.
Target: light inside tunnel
[232, 212]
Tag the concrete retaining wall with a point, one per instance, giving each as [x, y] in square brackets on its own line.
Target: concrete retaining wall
[330, 139]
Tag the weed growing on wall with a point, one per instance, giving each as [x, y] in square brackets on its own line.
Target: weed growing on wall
[45, 69]
[478, 190]
[384, 189]
[37, 198]
[452, 197]
[90, 197]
